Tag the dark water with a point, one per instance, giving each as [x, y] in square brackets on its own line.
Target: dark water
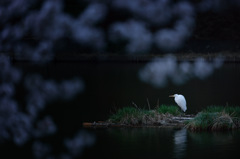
[109, 86]
[163, 143]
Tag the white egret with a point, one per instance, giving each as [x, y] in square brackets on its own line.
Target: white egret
[181, 101]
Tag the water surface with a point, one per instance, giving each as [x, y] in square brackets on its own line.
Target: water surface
[163, 143]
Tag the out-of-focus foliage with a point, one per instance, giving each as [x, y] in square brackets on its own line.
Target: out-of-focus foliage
[160, 70]
[36, 29]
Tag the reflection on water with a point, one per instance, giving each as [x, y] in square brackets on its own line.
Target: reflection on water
[133, 143]
[129, 143]
[180, 141]
[219, 138]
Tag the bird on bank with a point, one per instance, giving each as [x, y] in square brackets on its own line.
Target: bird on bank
[181, 101]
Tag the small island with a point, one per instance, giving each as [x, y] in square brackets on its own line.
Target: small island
[212, 118]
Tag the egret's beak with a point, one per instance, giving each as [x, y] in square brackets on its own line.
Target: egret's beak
[171, 96]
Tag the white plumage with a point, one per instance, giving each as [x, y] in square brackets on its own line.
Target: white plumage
[181, 101]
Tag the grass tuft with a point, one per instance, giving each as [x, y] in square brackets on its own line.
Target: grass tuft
[129, 115]
[216, 118]
[202, 121]
[233, 111]
[223, 122]
[163, 109]
[136, 116]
